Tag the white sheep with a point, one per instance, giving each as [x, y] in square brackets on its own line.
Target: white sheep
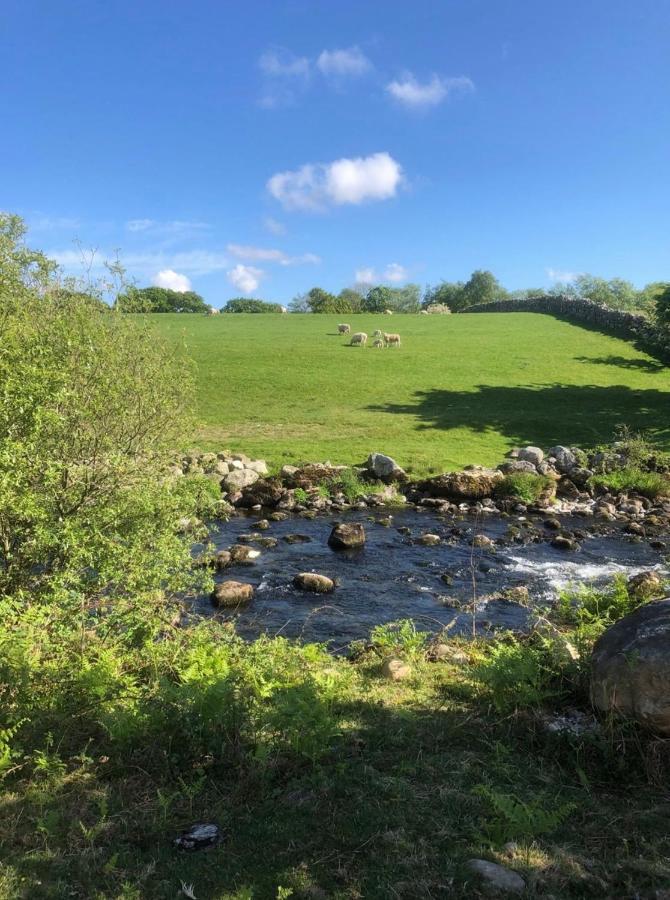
[378, 334]
[388, 312]
[392, 339]
[344, 329]
[379, 344]
[359, 339]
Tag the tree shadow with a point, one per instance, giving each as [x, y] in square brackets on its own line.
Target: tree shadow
[644, 365]
[544, 414]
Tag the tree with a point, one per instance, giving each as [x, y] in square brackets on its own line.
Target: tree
[300, 304]
[482, 287]
[160, 300]
[320, 301]
[378, 299]
[349, 300]
[662, 308]
[449, 293]
[249, 305]
[615, 293]
[93, 407]
[649, 295]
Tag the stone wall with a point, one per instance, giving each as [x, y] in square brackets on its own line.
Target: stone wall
[613, 321]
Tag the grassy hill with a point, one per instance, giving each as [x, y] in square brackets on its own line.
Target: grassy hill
[461, 389]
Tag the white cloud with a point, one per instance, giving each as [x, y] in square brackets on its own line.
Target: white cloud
[562, 277]
[174, 227]
[344, 181]
[413, 93]
[284, 64]
[263, 254]
[343, 63]
[245, 278]
[394, 272]
[273, 226]
[168, 278]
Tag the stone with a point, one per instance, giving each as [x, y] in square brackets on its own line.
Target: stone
[222, 560]
[385, 468]
[442, 652]
[267, 542]
[562, 542]
[314, 583]
[346, 536]
[497, 877]
[532, 455]
[241, 554]
[646, 586]
[288, 471]
[297, 538]
[395, 669]
[566, 460]
[482, 542]
[470, 484]
[259, 466]
[238, 479]
[199, 837]
[552, 524]
[263, 492]
[630, 667]
[232, 593]
[513, 466]
[221, 467]
[429, 540]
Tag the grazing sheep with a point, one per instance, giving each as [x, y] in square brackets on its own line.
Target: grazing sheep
[212, 312]
[392, 339]
[378, 334]
[388, 312]
[379, 344]
[359, 339]
[344, 329]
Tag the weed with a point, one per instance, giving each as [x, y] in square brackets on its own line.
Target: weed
[525, 486]
[399, 639]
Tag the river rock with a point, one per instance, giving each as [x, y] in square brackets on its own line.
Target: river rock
[470, 484]
[241, 554]
[297, 538]
[265, 492]
[646, 586]
[314, 583]
[385, 468]
[429, 540]
[483, 542]
[239, 479]
[496, 877]
[232, 593]
[563, 542]
[532, 455]
[566, 460]
[222, 560]
[630, 666]
[513, 466]
[346, 536]
[395, 669]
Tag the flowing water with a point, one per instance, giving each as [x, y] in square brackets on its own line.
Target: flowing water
[393, 577]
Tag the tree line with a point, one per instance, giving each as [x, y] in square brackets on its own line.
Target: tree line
[481, 287]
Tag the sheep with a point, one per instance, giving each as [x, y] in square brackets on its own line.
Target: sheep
[379, 344]
[388, 312]
[392, 339]
[359, 339]
[378, 334]
[344, 329]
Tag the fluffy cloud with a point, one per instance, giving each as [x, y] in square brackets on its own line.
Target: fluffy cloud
[168, 278]
[245, 278]
[562, 277]
[413, 93]
[263, 254]
[343, 63]
[282, 63]
[394, 272]
[345, 181]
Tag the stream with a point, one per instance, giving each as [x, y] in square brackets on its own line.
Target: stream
[392, 577]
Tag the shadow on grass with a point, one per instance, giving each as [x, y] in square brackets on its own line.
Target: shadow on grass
[544, 414]
[623, 362]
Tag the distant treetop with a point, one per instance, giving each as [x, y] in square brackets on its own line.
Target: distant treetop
[160, 300]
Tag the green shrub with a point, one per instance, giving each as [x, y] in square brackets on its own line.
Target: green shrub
[515, 819]
[398, 639]
[632, 478]
[525, 486]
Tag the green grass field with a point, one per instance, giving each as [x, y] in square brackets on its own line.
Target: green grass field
[461, 389]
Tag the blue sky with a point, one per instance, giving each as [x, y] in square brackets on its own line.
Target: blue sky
[265, 147]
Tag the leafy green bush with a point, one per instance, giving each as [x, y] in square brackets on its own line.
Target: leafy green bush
[249, 305]
[525, 486]
[515, 819]
[632, 478]
[398, 639]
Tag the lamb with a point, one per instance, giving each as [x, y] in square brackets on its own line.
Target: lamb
[360, 339]
[379, 344]
[392, 339]
[344, 329]
[378, 334]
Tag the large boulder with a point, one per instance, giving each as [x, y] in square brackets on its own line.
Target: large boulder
[531, 454]
[512, 466]
[630, 666]
[238, 479]
[566, 459]
[385, 468]
[232, 593]
[470, 484]
[314, 583]
[265, 492]
[346, 536]
[497, 878]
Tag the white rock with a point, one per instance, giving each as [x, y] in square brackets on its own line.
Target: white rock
[532, 455]
[258, 465]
